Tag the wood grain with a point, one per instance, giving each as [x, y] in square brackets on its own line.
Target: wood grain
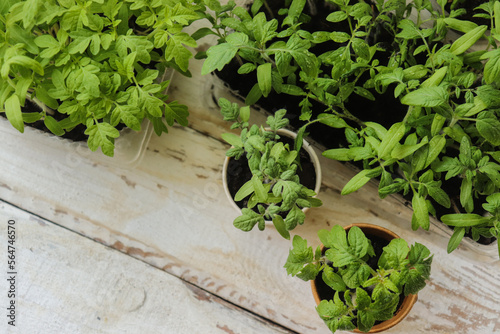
[70, 284]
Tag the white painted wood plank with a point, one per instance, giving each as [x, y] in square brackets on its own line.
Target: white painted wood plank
[67, 283]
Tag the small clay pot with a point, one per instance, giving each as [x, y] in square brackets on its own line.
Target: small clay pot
[408, 301]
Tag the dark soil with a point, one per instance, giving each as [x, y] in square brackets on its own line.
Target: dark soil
[327, 293]
[238, 173]
[76, 134]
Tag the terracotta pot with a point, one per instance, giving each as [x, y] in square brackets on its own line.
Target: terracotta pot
[408, 301]
[305, 145]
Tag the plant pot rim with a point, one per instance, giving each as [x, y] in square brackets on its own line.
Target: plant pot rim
[408, 301]
[305, 145]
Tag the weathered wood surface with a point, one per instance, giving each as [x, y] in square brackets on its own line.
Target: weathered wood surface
[170, 212]
[70, 284]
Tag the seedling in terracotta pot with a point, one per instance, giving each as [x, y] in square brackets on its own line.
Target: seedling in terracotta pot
[274, 191]
[361, 281]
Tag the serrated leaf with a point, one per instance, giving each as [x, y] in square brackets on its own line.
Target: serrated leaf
[176, 50]
[295, 217]
[335, 238]
[358, 243]
[298, 256]
[101, 135]
[248, 220]
[395, 253]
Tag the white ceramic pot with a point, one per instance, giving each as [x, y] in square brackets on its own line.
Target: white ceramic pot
[305, 145]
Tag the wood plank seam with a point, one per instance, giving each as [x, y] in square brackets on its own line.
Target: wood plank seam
[198, 292]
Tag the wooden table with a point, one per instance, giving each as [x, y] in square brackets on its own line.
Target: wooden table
[151, 248]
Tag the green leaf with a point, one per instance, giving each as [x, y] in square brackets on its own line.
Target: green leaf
[81, 41]
[232, 139]
[260, 191]
[295, 217]
[456, 238]
[391, 139]
[489, 127]
[339, 37]
[395, 253]
[333, 121]
[337, 16]
[420, 216]
[360, 180]
[364, 93]
[408, 30]
[402, 151]
[175, 111]
[436, 145]
[264, 78]
[435, 79]
[332, 279]
[439, 195]
[13, 113]
[22, 61]
[460, 25]
[466, 195]
[464, 42]
[147, 77]
[426, 97]
[358, 242]
[53, 125]
[279, 224]
[340, 154]
[335, 238]
[492, 66]
[298, 256]
[100, 135]
[126, 114]
[244, 191]
[464, 219]
[175, 49]
[363, 300]
[217, 57]
[248, 220]
[20, 35]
